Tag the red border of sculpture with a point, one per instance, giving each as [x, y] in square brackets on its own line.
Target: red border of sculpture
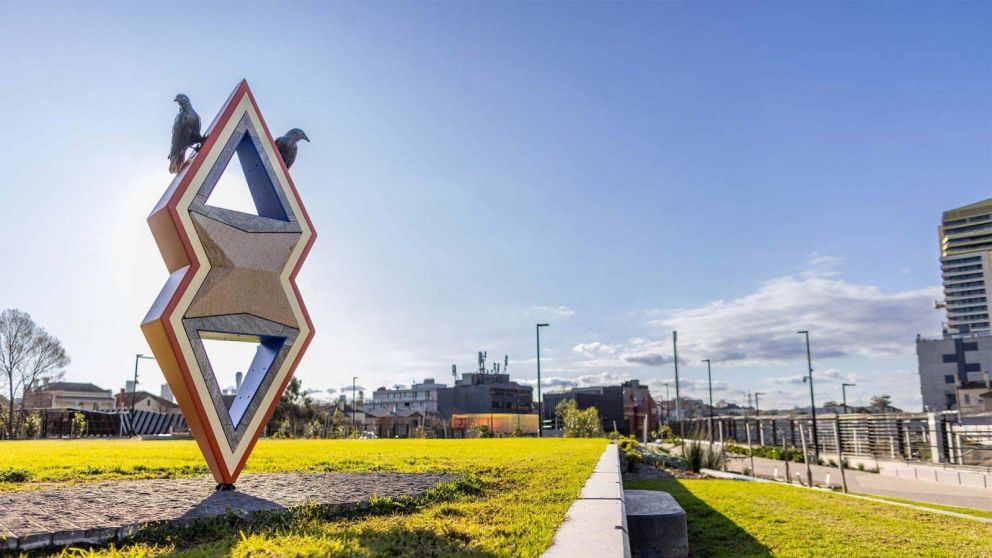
[179, 233]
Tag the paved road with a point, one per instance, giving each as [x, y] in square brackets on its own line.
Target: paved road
[873, 483]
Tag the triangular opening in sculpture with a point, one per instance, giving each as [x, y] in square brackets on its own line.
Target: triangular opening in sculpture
[250, 356]
[231, 191]
[246, 186]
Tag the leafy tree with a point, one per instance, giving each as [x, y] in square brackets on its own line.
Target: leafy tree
[28, 355]
[295, 407]
[579, 423]
[881, 402]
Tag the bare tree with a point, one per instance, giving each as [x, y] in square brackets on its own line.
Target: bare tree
[28, 355]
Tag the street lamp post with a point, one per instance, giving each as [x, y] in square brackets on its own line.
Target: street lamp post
[540, 402]
[134, 387]
[812, 401]
[843, 392]
[757, 410]
[668, 404]
[709, 379]
[354, 379]
[675, 359]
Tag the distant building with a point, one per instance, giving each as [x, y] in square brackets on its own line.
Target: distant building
[625, 408]
[483, 392]
[144, 401]
[965, 249]
[69, 395]
[607, 400]
[975, 396]
[945, 364]
[421, 397]
[167, 393]
[639, 410]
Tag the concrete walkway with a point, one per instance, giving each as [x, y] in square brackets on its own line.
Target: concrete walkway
[875, 484]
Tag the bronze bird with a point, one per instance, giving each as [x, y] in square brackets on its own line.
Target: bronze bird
[287, 145]
[185, 133]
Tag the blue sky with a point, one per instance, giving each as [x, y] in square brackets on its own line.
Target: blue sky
[735, 170]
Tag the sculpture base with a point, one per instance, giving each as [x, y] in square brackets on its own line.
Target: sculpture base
[107, 511]
[224, 487]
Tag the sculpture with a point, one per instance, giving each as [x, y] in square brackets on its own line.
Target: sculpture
[232, 277]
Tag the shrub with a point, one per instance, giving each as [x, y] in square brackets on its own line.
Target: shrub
[15, 475]
[78, 425]
[694, 454]
[32, 425]
[312, 429]
[713, 458]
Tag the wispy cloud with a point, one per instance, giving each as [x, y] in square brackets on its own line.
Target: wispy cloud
[551, 311]
[844, 319]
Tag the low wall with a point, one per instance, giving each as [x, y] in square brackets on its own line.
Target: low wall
[596, 524]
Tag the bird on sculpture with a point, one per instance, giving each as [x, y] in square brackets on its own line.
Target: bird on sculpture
[185, 133]
[287, 145]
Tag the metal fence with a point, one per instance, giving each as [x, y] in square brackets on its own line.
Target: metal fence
[919, 437]
[57, 423]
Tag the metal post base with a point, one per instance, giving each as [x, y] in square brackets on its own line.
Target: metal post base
[224, 487]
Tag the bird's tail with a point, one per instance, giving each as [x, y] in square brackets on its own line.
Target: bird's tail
[176, 161]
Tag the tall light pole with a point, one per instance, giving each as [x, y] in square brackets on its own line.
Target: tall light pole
[134, 387]
[812, 401]
[353, 386]
[709, 378]
[540, 402]
[675, 359]
[843, 394]
[757, 411]
[668, 404]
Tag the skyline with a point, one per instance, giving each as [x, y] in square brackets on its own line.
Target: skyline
[473, 172]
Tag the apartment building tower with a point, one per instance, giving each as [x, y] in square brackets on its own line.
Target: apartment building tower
[965, 250]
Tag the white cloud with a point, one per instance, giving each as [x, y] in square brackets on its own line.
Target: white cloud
[594, 349]
[551, 311]
[844, 319]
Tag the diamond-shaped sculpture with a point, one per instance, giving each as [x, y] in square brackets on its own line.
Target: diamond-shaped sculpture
[232, 277]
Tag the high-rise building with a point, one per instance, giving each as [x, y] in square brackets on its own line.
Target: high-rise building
[954, 366]
[965, 251]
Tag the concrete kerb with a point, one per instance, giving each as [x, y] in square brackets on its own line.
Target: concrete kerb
[745, 478]
[595, 525]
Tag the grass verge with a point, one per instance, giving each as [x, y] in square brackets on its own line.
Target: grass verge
[516, 494]
[733, 519]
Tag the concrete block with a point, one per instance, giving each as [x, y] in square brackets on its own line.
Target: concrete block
[592, 529]
[657, 525]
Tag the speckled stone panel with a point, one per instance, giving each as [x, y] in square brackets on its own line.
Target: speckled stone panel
[100, 512]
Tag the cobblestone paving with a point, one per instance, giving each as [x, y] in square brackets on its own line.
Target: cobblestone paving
[95, 513]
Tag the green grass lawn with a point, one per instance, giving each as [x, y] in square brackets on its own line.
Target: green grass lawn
[735, 519]
[514, 497]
